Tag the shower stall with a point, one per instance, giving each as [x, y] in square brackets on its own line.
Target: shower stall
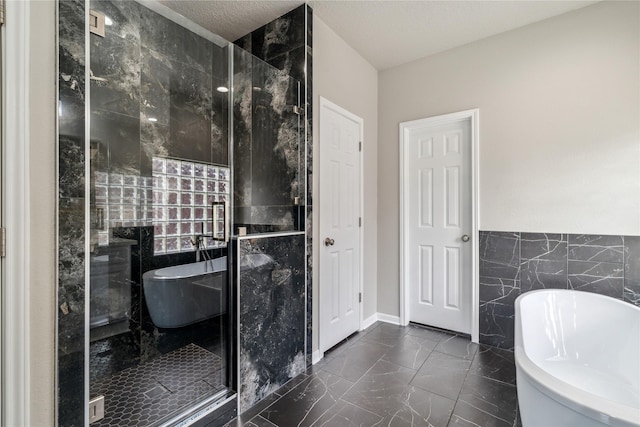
[182, 188]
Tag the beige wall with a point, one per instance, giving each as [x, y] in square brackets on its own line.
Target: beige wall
[559, 108]
[42, 206]
[343, 77]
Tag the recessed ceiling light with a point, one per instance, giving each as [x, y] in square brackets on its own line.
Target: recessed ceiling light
[222, 89]
[107, 21]
[152, 119]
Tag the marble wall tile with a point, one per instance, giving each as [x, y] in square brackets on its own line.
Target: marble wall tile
[600, 277]
[272, 307]
[71, 59]
[71, 167]
[543, 261]
[632, 269]
[500, 255]
[279, 36]
[497, 311]
[596, 248]
[71, 213]
[120, 137]
[190, 114]
[607, 265]
[116, 57]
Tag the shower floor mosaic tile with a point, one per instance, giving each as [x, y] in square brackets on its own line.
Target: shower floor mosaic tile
[145, 394]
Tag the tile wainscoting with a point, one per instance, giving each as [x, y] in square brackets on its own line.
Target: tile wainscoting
[512, 263]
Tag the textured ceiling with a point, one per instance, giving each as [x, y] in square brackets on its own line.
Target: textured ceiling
[231, 19]
[386, 33]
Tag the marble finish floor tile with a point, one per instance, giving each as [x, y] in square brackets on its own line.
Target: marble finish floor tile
[442, 374]
[398, 376]
[410, 351]
[352, 363]
[458, 346]
[344, 414]
[494, 363]
[306, 402]
[493, 397]
[468, 416]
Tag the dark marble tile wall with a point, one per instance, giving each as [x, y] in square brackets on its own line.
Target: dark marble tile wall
[71, 199]
[515, 263]
[272, 311]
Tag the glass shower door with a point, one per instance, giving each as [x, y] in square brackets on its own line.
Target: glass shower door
[160, 312]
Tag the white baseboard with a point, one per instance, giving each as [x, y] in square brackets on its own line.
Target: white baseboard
[380, 317]
[387, 318]
[316, 356]
[369, 321]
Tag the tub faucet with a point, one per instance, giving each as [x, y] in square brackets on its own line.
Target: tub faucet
[198, 242]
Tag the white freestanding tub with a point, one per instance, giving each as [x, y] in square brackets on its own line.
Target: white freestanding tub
[185, 294]
[577, 360]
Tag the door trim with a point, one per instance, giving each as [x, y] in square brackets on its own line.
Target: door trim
[325, 103]
[405, 127]
[16, 216]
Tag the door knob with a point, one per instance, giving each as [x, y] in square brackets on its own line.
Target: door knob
[465, 237]
[329, 242]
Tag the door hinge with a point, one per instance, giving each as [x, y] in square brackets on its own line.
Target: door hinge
[360, 297]
[96, 409]
[3, 242]
[97, 22]
[360, 222]
[297, 110]
[360, 146]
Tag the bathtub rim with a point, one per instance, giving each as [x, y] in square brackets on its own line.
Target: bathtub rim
[585, 403]
[154, 274]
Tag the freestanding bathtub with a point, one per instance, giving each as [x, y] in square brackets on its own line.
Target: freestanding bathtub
[185, 294]
[577, 360]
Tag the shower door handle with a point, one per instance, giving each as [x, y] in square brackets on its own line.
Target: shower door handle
[216, 219]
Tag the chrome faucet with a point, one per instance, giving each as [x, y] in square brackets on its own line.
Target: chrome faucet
[198, 242]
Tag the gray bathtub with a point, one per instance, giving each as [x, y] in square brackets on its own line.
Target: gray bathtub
[185, 294]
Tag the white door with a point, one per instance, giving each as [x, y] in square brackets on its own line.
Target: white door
[339, 204]
[438, 222]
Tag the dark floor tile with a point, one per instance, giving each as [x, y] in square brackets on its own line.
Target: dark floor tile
[306, 402]
[494, 363]
[379, 389]
[410, 351]
[442, 374]
[258, 421]
[293, 382]
[352, 364]
[416, 407]
[386, 334]
[247, 415]
[458, 346]
[493, 397]
[344, 414]
[466, 415]
[427, 333]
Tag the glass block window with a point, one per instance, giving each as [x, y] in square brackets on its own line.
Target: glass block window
[184, 196]
[121, 200]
